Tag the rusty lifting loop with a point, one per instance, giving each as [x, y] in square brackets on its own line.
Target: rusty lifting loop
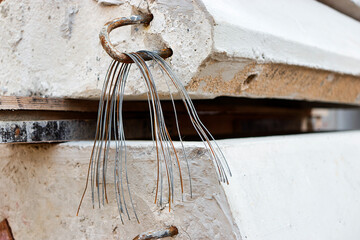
[119, 22]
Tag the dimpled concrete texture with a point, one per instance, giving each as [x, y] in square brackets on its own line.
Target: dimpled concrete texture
[56, 44]
[41, 186]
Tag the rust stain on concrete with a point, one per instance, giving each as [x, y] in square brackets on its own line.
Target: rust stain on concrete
[5, 231]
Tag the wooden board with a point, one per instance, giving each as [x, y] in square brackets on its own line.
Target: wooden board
[50, 104]
[29, 120]
[36, 119]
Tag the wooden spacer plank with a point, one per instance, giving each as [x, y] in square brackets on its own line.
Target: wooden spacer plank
[48, 104]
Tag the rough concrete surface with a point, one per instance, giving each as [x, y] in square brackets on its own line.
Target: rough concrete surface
[41, 186]
[52, 48]
[283, 187]
[269, 80]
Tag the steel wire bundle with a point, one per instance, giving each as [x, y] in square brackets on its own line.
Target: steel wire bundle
[110, 130]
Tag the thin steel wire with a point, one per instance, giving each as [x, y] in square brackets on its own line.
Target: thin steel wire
[110, 126]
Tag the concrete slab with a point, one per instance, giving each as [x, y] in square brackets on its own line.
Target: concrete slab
[41, 186]
[54, 50]
[295, 187]
[288, 187]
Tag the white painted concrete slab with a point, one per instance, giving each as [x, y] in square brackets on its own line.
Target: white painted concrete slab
[299, 32]
[52, 49]
[296, 187]
[288, 187]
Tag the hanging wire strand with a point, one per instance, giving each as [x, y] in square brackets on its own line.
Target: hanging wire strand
[110, 128]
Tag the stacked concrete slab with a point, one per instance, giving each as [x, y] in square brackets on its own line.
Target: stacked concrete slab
[298, 50]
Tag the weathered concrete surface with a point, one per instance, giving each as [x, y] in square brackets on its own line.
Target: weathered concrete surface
[41, 185]
[52, 49]
[269, 80]
[295, 187]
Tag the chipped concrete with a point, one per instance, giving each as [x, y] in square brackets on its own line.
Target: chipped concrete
[41, 186]
[60, 55]
[247, 78]
[49, 53]
[110, 2]
[66, 27]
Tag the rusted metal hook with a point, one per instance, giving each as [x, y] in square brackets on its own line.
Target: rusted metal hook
[168, 232]
[119, 22]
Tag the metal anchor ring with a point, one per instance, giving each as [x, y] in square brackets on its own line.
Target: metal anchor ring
[119, 22]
